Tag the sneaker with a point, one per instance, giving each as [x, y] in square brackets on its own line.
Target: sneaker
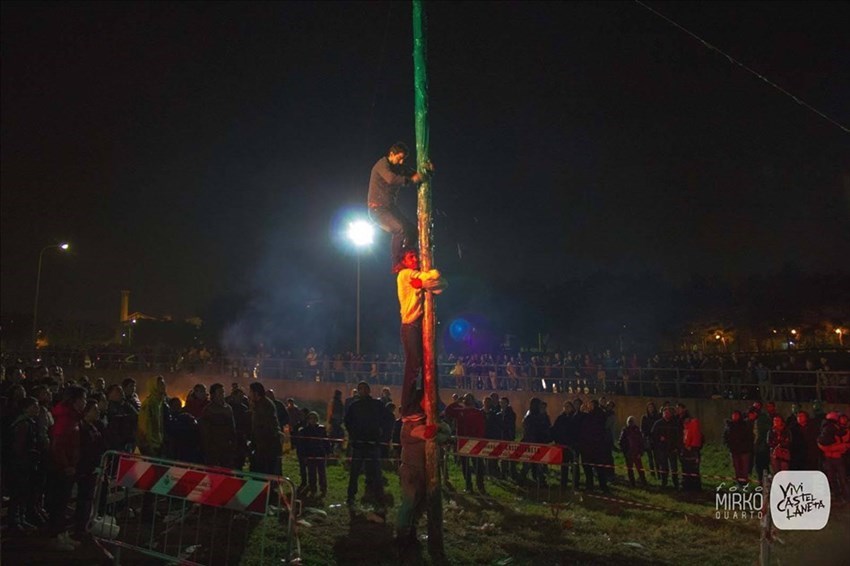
[57, 543]
[66, 538]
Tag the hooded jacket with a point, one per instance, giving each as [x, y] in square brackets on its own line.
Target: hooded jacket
[150, 434]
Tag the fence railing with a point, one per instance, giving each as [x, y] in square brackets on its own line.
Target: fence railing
[774, 385]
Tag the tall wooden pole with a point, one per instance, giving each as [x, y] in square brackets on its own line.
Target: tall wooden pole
[432, 454]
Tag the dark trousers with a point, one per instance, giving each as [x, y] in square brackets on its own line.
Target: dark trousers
[302, 468]
[634, 461]
[316, 470]
[85, 498]
[741, 465]
[472, 465]
[589, 465]
[762, 462]
[411, 340]
[365, 458]
[19, 483]
[667, 462]
[650, 461]
[691, 480]
[836, 474]
[509, 468]
[58, 497]
[569, 462]
[263, 463]
[403, 231]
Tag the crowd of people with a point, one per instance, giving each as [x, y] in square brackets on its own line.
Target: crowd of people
[55, 431]
[788, 376]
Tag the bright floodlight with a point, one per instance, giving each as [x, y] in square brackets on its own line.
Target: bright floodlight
[65, 245]
[361, 233]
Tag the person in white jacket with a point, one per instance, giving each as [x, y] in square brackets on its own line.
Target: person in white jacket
[412, 285]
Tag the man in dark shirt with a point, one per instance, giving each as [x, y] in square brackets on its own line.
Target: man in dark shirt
[363, 422]
[265, 432]
[388, 175]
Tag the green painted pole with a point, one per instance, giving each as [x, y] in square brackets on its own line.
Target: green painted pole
[434, 502]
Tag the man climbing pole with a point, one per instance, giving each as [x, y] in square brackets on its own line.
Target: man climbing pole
[389, 174]
[412, 285]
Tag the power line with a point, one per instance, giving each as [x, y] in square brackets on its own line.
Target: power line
[746, 68]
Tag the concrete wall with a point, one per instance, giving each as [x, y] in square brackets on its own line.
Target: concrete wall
[711, 412]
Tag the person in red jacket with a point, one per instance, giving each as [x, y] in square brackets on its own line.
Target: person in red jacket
[832, 444]
[470, 423]
[64, 456]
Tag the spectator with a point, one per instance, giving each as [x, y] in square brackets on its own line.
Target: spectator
[316, 449]
[24, 463]
[280, 409]
[265, 432]
[472, 423]
[761, 451]
[632, 445]
[779, 444]
[129, 387]
[218, 430]
[122, 421]
[64, 455]
[738, 438]
[242, 419]
[336, 416]
[692, 441]
[183, 436]
[646, 423]
[151, 424]
[387, 425]
[386, 395]
[92, 447]
[565, 433]
[363, 423]
[507, 424]
[667, 442]
[804, 444]
[44, 422]
[351, 399]
[300, 449]
[594, 444]
[197, 401]
[833, 445]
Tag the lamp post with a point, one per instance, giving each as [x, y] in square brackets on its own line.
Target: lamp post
[64, 247]
[361, 233]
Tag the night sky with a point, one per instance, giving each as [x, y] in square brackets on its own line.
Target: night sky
[194, 151]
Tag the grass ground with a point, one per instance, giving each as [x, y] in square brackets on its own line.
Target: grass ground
[514, 526]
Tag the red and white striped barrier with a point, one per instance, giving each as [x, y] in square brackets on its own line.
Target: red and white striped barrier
[516, 451]
[214, 490]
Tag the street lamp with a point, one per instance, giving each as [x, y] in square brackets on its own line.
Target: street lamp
[361, 233]
[840, 333]
[64, 246]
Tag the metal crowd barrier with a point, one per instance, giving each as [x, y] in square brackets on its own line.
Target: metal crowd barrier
[185, 513]
[772, 385]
